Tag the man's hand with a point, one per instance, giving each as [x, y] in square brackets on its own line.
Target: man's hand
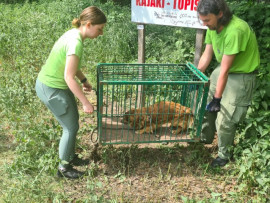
[214, 105]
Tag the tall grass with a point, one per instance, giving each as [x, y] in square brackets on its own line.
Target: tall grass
[27, 34]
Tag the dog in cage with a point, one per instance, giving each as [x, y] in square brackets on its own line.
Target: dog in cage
[148, 119]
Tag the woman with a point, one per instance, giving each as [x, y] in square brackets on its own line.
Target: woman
[56, 84]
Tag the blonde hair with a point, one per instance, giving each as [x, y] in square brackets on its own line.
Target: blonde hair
[90, 14]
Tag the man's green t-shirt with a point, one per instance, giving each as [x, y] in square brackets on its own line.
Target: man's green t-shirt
[52, 73]
[236, 38]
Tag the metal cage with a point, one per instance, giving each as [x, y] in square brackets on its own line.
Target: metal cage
[150, 103]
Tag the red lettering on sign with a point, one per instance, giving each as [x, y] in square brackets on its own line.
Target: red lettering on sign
[153, 3]
[143, 3]
[187, 4]
[177, 4]
[158, 4]
[196, 4]
[180, 4]
[192, 5]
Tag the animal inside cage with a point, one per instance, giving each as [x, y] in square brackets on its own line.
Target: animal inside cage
[150, 103]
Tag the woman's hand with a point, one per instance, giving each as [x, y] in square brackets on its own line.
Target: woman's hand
[88, 108]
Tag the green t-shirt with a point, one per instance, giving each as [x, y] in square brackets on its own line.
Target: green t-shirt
[52, 73]
[236, 38]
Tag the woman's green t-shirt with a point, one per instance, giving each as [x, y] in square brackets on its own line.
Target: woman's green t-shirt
[52, 73]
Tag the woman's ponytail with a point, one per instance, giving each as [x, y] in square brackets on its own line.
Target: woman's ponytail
[90, 14]
[76, 22]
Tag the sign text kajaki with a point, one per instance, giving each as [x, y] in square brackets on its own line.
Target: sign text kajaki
[179, 13]
[176, 4]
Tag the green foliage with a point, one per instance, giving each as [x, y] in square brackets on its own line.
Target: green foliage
[253, 150]
[28, 30]
[166, 44]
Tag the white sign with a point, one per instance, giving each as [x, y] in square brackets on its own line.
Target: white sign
[180, 13]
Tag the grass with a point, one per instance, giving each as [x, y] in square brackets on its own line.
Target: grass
[175, 173]
[136, 173]
[127, 173]
[123, 174]
[29, 135]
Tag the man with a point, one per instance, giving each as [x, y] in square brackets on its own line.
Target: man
[234, 45]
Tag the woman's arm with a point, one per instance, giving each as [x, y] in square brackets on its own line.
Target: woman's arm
[71, 71]
[80, 75]
[206, 58]
[86, 85]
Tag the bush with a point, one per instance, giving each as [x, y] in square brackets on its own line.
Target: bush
[253, 149]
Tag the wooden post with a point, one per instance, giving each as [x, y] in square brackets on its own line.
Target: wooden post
[141, 43]
[199, 45]
[198, 52]
[141, 59]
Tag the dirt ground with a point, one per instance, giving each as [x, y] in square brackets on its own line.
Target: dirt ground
[174, 172]
[157, 172]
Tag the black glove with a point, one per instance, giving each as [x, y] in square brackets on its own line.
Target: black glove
[214, 105]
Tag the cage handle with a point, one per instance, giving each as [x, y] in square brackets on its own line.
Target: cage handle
[91, 135]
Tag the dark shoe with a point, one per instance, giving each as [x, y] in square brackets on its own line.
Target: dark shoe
[70, 173]
[76, 161]
[219, 162]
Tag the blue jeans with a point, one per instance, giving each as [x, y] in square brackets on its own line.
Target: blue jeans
[63, 105]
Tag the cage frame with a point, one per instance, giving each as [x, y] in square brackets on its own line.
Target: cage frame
[204, 80]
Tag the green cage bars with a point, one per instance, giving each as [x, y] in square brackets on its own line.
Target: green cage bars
[150, 103]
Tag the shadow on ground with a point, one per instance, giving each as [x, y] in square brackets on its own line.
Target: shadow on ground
[154, 159]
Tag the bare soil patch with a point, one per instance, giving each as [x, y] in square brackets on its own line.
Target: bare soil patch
[155, 173]
[151, 172]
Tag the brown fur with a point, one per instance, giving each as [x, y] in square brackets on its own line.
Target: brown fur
[147, 119]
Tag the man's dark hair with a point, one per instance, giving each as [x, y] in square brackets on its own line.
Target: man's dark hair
[206, 7]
